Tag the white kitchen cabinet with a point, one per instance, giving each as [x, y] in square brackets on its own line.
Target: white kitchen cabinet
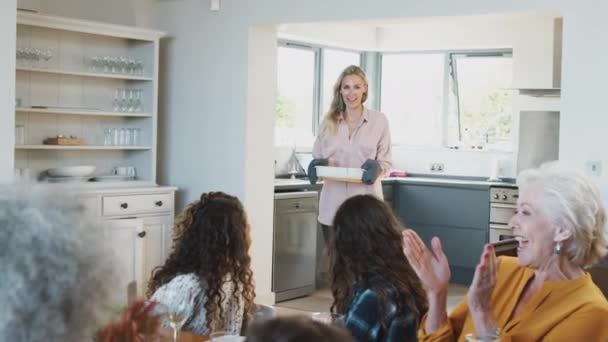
[67, 76]
[157, 244]
[137, 223]
[126, 240]
[537, 53]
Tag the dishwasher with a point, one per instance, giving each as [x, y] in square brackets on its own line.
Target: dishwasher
[294, 244]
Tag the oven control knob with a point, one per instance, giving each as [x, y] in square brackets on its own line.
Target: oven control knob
[504, 197]
[496, 196]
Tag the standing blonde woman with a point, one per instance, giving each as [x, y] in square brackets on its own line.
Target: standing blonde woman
[350, 136]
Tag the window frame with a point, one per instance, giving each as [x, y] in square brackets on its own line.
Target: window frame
[448, 55]
[319, 53]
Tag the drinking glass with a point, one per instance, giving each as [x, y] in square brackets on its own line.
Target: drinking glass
[473, 338]
[95, 63]
[115, 136]
[108, 136]
[20, 135]
[124, 62]
[176, 316]
[137, 107]
[122, 137]
[131, 101]
[116, 101]
[139, 67]
[223, 336]
[124, 101]
[46, 55]
[328, 317]
[106, 63]
[136, 136]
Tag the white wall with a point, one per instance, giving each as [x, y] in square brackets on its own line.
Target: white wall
[7, 89]
[346, 35]
[584, 117]
[435, 33]
[259, 178]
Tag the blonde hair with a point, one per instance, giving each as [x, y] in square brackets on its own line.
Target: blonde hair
[571, 201]
[337, 107]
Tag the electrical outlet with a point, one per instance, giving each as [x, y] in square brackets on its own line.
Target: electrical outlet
[594, 168]
[432, 167]
[439, 167]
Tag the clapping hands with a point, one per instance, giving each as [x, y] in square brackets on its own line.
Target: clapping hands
[484, 280]
[431, 267]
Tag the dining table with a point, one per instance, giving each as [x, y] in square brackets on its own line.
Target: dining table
[166, 335]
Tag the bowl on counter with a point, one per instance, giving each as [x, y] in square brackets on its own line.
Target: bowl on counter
[72, 171]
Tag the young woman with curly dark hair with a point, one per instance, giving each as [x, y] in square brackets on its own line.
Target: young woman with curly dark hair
[373, 285]
[208, 270]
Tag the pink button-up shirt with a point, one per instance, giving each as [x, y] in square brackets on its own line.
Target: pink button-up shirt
[370, 140]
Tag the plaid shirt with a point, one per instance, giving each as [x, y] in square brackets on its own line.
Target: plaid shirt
[364, 322]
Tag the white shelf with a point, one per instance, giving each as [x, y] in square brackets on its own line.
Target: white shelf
[80, 147]
[86, 74]
[73, 99]
[91, 112]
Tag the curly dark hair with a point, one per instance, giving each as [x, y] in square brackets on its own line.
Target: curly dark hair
[211, 239]
[366, 244]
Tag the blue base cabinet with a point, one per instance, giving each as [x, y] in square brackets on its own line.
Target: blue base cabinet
[457, 215]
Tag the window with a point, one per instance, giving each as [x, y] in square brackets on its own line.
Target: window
[306, 76]
[448, 98]
[295, 99]
[412, 97]
[480, 108]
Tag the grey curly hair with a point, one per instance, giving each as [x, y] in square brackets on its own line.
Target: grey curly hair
[573, 202]
[55, 285]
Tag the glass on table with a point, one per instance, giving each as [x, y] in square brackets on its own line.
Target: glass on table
[223, 336]
[328, 317]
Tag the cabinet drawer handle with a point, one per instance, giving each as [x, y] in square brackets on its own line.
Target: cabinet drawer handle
[124, 205]
[141, 234]
[159, 203]
[297, 205]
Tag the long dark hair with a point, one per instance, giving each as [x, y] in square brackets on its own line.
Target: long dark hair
[367, 242]
[211, 239]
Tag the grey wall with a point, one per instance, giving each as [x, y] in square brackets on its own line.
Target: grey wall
[110, 11]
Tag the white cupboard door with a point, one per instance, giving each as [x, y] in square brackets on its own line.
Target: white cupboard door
[126, 238]
[157, 244]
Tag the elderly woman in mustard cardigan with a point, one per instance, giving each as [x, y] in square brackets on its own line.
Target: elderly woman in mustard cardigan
[544, 293]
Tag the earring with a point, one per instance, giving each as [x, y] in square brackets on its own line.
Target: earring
[557, 249]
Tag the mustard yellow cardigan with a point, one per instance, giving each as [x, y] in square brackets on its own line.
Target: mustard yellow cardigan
[567, 310]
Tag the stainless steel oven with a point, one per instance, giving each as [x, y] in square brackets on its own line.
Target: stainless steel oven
[503, 202]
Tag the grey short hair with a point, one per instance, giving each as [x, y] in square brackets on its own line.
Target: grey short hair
[571, 201]
[54, 284]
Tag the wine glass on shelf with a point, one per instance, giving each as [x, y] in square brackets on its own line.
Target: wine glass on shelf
[116, 101]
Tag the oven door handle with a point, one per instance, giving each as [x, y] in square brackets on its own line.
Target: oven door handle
[505, 206]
